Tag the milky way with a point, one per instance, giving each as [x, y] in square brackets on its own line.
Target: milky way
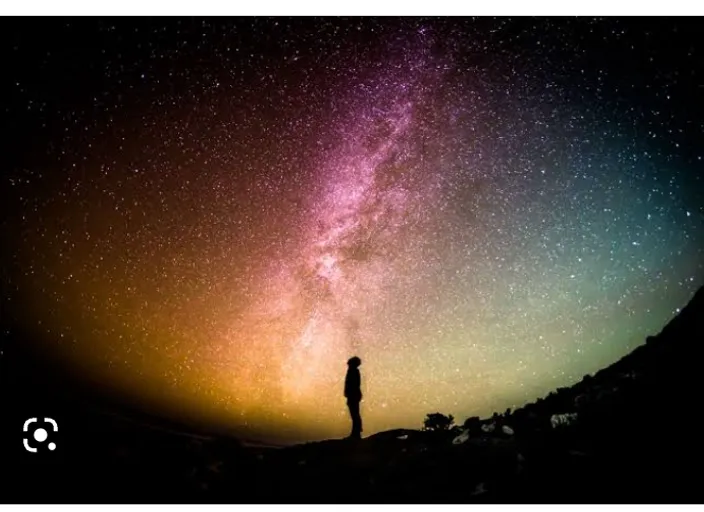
[227, 212]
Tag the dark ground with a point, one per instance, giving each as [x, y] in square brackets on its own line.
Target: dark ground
[637, 439]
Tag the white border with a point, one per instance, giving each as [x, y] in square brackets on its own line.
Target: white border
[333, 508]
[355, 8]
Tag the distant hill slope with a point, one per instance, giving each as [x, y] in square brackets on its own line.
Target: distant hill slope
[664, 371]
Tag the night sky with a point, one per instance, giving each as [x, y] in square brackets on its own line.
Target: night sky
[214, 215]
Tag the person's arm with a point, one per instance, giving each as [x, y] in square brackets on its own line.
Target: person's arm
[358, 384]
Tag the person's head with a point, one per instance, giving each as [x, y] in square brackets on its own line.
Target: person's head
[354, 362]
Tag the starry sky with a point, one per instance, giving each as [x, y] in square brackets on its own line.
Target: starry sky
[213, 215]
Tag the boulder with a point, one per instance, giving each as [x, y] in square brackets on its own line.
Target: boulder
[562, 420]
[462, 438]
[488, 427]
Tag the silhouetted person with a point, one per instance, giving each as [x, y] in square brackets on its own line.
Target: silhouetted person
[353, 393]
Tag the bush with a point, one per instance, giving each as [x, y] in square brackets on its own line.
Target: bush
[473, 424]
[436, 422]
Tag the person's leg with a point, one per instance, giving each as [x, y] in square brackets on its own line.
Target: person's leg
[356, 418]
[359, 418]
[350, 406]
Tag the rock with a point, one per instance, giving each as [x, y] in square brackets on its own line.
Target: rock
[462, 438]
[479, 489]
[561, 420]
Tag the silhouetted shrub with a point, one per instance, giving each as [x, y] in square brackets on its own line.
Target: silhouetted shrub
[437, 422]
[473, 424]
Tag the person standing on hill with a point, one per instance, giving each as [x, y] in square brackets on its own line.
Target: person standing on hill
[353, 394]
